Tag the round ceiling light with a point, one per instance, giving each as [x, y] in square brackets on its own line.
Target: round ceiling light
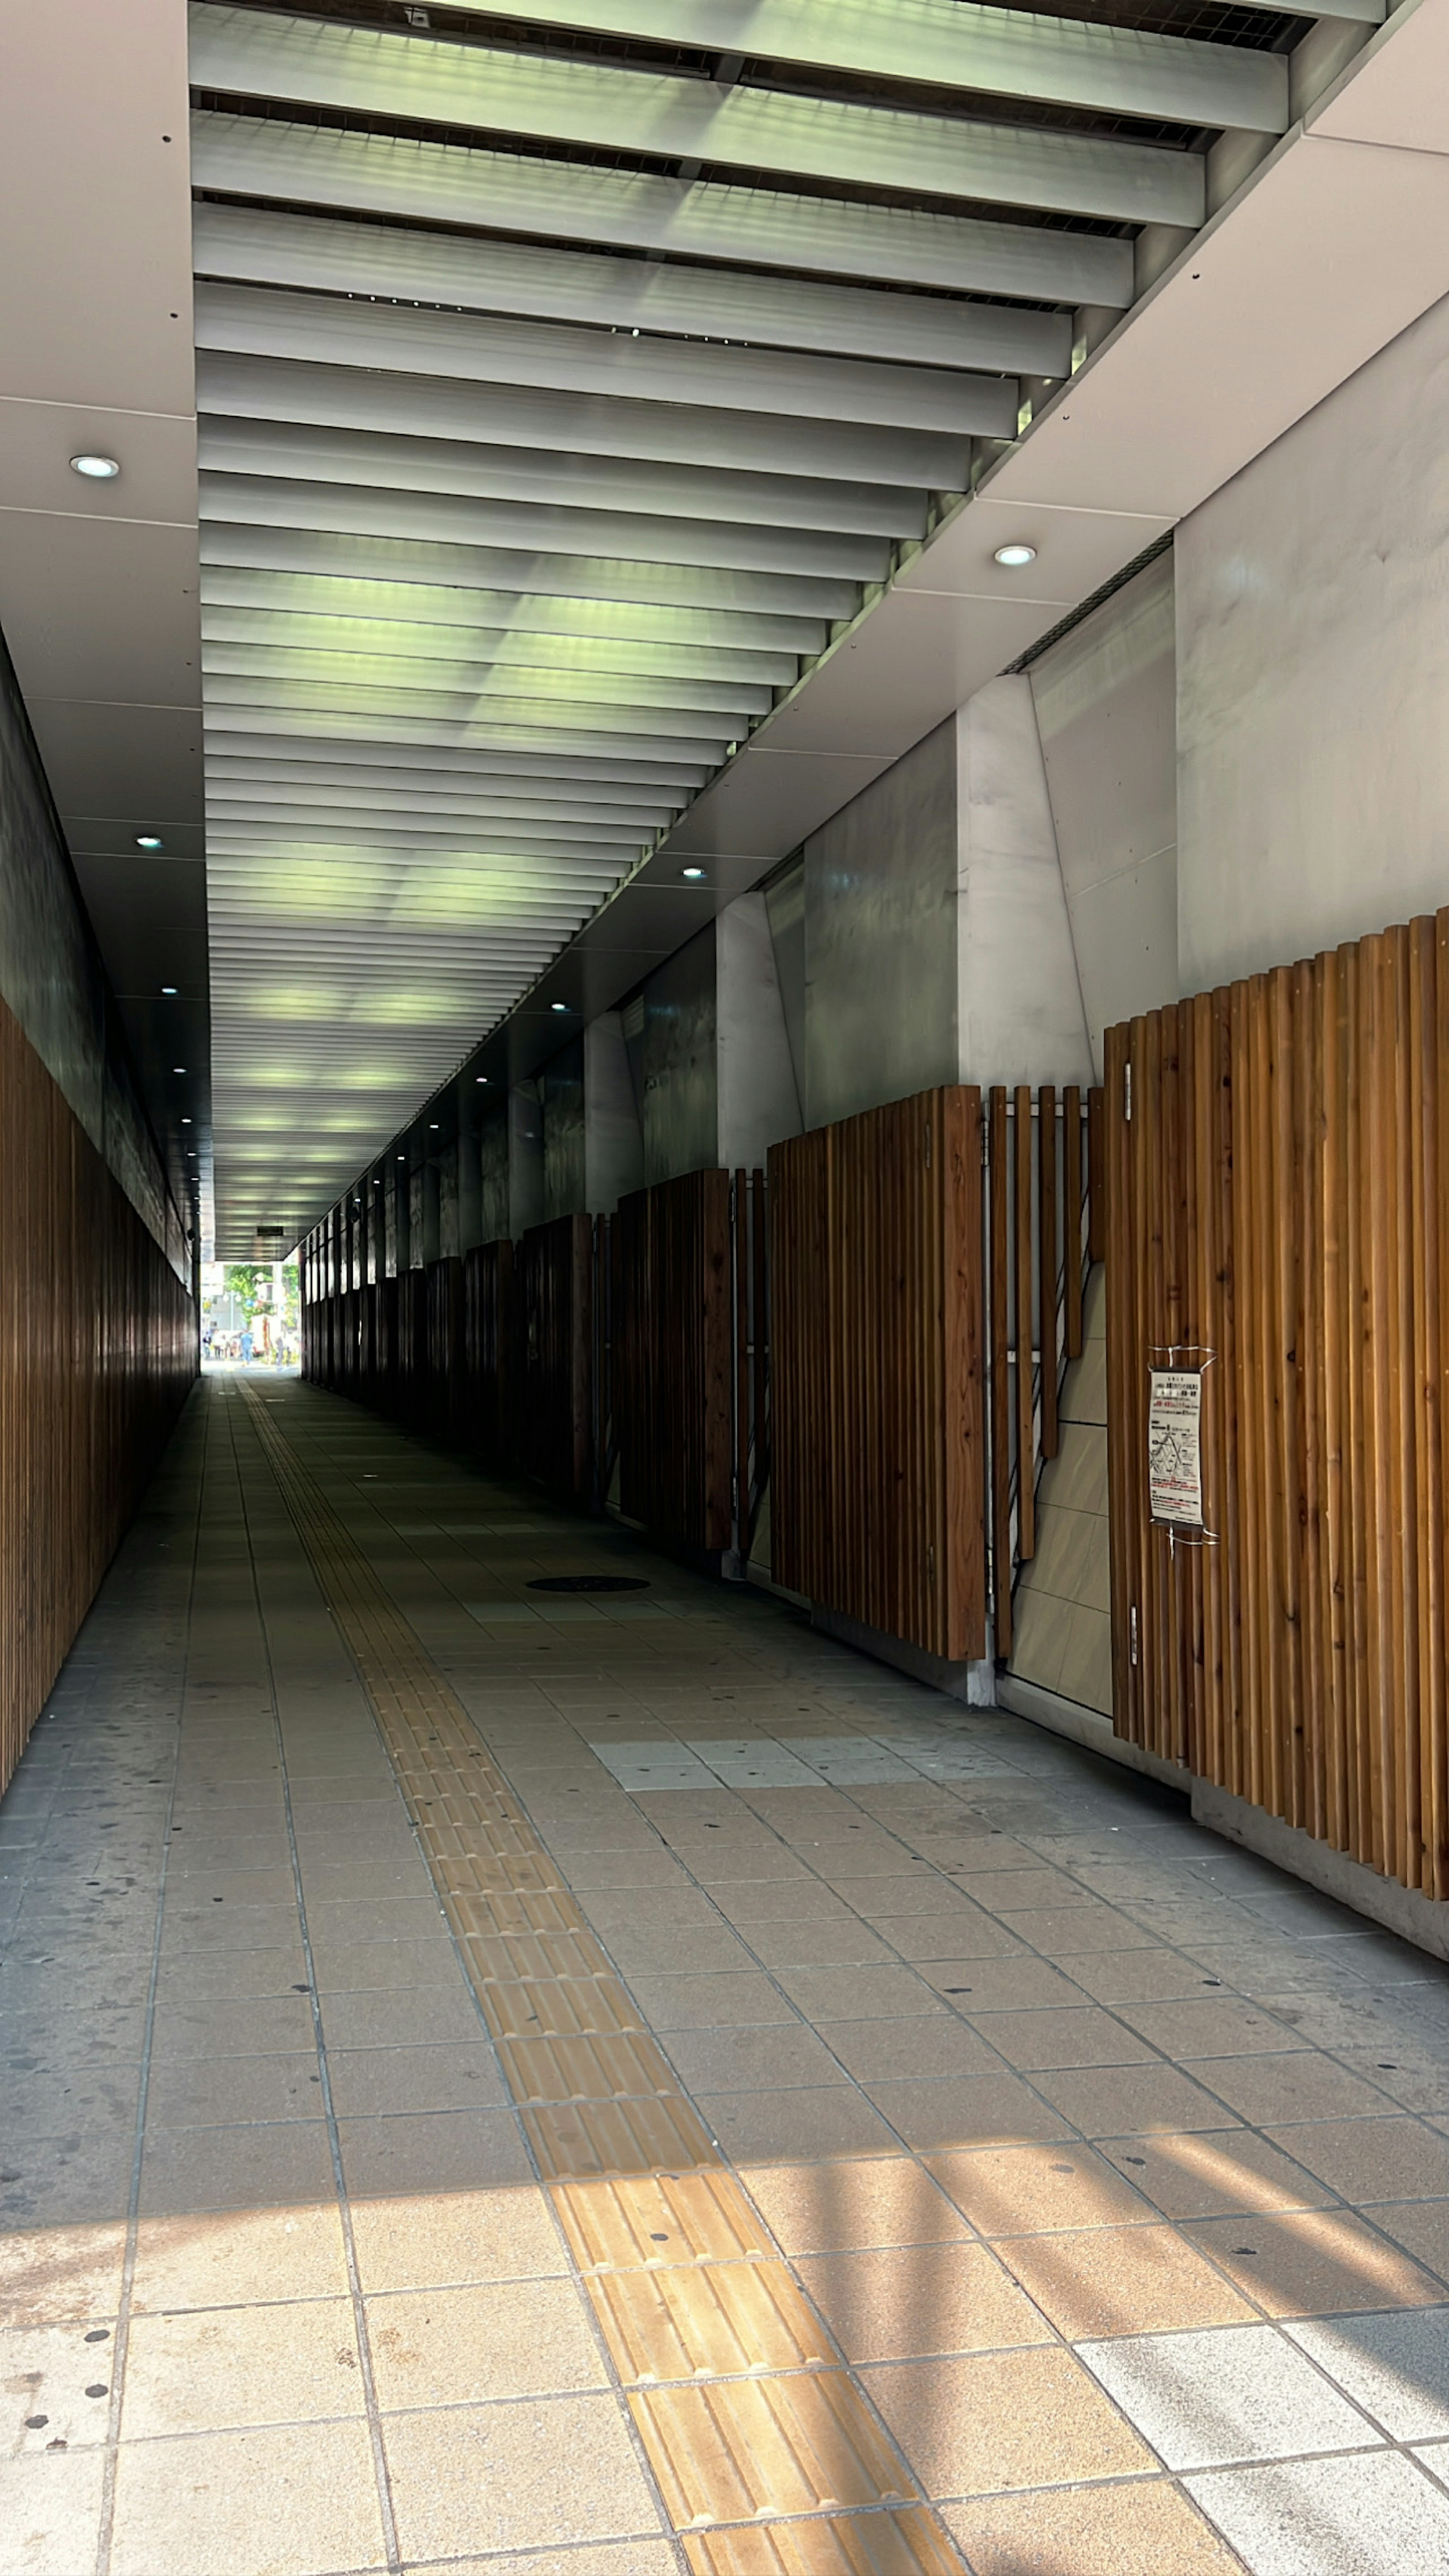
[691, 873]
[96, 469]
[1014, 558]
[149, 841]
[558, 1006]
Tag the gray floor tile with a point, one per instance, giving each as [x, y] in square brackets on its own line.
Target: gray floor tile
[1395, 2366]
[1372, 2516]
[1229, 2393]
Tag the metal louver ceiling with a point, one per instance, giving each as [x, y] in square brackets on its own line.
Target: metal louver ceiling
[564, 384]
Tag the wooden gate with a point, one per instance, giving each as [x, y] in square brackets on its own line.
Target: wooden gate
[878, 1495]
[686, 1350]
[1278, 1214]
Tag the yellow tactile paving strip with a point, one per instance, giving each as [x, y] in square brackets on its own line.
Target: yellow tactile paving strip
[766, 2455]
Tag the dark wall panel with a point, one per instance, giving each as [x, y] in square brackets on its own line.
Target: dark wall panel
[97, 1350]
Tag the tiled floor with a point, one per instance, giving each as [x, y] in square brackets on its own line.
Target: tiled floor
[1097, 2172]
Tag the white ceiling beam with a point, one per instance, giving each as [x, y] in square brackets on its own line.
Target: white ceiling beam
[472, 470]
[495, 645]
[704, 219]
[263, 542]
[480, 683]
[586, 731]
[559, 99]
[608, 823]
[934, 403]
[421, 519]
[538, 865]
[512, 612]
[451, 792]
[408, 404]
[672, 776]
[264, 246]
[615, 535]
[468, 709]
[949, 44]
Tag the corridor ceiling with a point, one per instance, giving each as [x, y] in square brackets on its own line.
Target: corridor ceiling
[565, 382]
[591, 464]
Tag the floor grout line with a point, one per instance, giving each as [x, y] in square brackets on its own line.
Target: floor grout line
[312, 1515]
[372, 2410]
[121, 2347]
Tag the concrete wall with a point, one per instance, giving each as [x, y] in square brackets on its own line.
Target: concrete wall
[613, 1137]
[1105, 700]
[758, 1102]
[562, 1086]
[1019, 1003]
[670, 1033]
[1313, 677]
[880, 939]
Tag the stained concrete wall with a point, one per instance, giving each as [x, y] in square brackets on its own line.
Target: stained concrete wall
[1105, 700]
[1313, 677]
[880, 939]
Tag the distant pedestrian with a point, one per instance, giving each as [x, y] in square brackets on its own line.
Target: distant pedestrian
[246, 1347]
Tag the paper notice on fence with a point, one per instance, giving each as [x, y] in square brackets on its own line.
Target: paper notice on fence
[1174, 1446]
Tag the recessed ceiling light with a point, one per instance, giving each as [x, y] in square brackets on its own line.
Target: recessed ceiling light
[96, 469]
[178, 1068]
[169, 989]
[1013, 558]
[480, 1077]
[402, 1158]
[149, 841]
[691, 872]
[185, 1122]
[558, 1006]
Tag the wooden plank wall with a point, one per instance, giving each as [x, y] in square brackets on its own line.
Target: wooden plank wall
[553, 1349]
[1277, 1197]
[877, 1324]
[487, 1421]
[98, 1346]
[672, 1358]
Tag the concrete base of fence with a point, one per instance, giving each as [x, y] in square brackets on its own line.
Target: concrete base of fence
[973, 1682]
[1402, 1910]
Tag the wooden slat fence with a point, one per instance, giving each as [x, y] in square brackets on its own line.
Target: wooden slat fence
[553, 1349]
[878, 1492]
[1278, 1210]
[686, 1409]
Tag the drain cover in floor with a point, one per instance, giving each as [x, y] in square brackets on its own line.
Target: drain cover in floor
[588, 1583]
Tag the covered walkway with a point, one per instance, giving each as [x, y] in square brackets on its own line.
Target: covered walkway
[606, 2084]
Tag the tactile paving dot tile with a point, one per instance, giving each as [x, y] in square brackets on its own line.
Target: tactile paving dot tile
[731, 2449]
[866, 2544]
[640, 2221]
[605, 2069]
[543, 1955]
[536, 1911]
[577, 2140]
[557, 2007]
[696, 2320]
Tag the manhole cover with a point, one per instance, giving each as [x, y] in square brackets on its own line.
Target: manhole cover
[588, 1583]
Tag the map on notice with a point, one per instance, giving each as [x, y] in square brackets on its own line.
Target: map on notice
[1174, 1447]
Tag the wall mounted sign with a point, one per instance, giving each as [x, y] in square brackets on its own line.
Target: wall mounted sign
[1174, 1448]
